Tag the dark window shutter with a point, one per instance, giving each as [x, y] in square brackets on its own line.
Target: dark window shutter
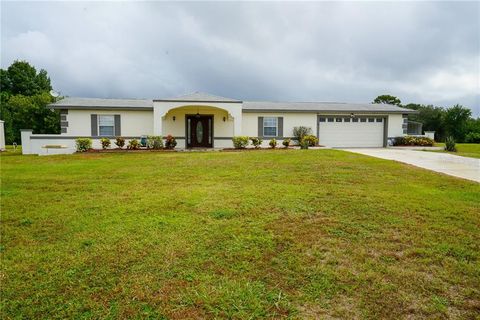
[94, 124]
[118, 128]
[280, 127]
[260, 126]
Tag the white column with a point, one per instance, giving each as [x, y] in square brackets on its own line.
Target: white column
[2, 135]
[157, 121]
[25, 135]
[237, 122]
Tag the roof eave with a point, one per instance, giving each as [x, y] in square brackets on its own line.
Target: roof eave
[194, 101]
[57, 106]
[333, 111]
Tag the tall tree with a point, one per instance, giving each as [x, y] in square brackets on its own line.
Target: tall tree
[388, 99]
[23, 101]
[456, 121]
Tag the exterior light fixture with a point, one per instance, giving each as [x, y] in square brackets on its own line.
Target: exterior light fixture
[224, 119]
[173, 118]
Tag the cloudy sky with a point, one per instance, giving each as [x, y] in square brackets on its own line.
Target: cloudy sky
[419, 51]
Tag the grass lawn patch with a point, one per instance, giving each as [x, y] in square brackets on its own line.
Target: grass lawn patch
[274, 234]
[471, 150]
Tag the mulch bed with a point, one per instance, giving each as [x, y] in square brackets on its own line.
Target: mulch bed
[118, 150]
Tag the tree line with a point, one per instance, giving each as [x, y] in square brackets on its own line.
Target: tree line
[455, 121]
[24, 96]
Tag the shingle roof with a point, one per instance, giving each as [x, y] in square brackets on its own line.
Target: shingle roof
[253, 106]
[199, 97]
[91, 103]
[248, 106]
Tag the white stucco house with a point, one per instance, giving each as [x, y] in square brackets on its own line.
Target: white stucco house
[209, 121]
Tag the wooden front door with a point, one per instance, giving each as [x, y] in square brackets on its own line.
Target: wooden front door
[199, 131]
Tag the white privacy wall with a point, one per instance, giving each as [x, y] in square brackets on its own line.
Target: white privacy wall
[133, 123]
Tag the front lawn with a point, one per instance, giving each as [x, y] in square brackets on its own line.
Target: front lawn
[244, 235]
[463, 149]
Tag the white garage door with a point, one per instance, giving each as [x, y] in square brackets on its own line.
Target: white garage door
[336, 131]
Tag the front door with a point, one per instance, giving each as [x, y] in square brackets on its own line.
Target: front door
[199, 131]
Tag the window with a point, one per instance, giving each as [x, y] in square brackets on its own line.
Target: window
[338, 119]
[106, 125]
[371, 119]
[346, 119]
[322, 120]
[330, 119]
[355, 120]
[363, 119]
[379, 119]
[270, 126]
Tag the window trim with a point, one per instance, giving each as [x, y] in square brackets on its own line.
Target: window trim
[276, 127]
[98, 124]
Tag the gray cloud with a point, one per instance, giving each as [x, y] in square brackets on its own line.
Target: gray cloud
[422, 52]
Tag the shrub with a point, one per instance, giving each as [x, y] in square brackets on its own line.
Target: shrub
[256, 142]
[240, 142]
[83, 144]
[105, 143]
[155, 142]
[413, 141]
[286, 142]
[170, 142]
[120, 142]
[473, 137]
[300, 132]
[310, 140]
[304, 144]
[133, 144]
[450, 144]
[273, 143]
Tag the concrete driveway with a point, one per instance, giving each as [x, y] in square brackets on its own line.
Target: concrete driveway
[462, 167]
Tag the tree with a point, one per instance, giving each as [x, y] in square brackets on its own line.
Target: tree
[388, 99]
[24, 79]
[431, 117]
[456, 122]
[24, 98]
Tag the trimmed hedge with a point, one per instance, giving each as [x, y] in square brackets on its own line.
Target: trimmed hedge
[413, 141]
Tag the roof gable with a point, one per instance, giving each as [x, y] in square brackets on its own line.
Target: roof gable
[199, 97]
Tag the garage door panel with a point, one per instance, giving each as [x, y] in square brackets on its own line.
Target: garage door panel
[351, 134]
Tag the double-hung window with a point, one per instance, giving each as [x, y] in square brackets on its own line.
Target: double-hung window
[106, 125]
[270, 126]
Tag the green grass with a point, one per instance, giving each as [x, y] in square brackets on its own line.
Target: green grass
[243, 235]
[463, 149]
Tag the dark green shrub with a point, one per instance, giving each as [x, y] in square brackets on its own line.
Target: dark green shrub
[256, 142]
[133, 144]
[473, 137]
[240, 142]
[120, 142]
[83, 144]
[300, 132]
[450, 144]
[310, 140]
[286, 142]
[155, 142]
[170, 142]
[105, 143]
[273, 143]
[304, 144]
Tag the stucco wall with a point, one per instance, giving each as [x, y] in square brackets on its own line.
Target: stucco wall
[290, 120]
[133, 123]
[395, 122]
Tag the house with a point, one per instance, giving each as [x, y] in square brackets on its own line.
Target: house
[201, 120]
